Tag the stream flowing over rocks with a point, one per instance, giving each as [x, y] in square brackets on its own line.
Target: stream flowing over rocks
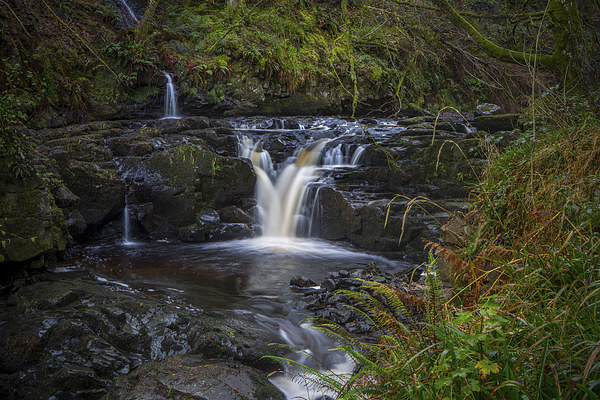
[164, 279]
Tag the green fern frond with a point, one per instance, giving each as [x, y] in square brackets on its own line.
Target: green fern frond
[301, 373]
[363, 314]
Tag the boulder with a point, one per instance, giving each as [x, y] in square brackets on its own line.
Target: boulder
[100, 190]
[74, 336]
[188, 377]
[336, 219]
[31, 224]
[487, 109]
[495, 123]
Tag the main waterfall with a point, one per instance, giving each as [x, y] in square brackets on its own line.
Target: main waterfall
[281, 198]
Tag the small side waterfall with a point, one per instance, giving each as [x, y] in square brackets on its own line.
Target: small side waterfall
[126, 221]
[170, 99]
[357, 155]
[126, 225]
[341, 155]
[130, 11]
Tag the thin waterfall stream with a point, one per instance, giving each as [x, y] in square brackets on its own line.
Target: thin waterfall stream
[171, 111]
[129, 10]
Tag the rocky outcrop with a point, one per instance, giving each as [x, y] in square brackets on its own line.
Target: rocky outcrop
[173, 174]
[74, 336]
[31, 224]
[412, 178]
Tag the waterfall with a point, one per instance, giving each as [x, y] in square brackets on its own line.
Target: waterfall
[357, 155]
[281, 199]
[126, 221]
[130, 11]
[170, 99]
[340, 155]
[334, 156]
[126, 225]
[254, 152]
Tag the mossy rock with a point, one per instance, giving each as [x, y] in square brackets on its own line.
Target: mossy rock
[101, 191]
[188, 179]
[31, 224]
[495, 123]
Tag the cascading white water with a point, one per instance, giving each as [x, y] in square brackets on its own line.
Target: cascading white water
[170, 99]
[126, 225]
[281, 200]
[126, 234]
[357, 155]
[254, 151]
[340, 155]
[334, 156]
[129, 10]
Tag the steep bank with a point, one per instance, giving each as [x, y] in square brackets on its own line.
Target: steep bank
[67, 61]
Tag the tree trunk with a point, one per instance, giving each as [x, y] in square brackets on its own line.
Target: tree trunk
[142, 28]
[569, 48]
[492, 49]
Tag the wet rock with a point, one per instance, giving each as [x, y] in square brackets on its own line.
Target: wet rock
[75, 222]
[329, 284]
[31, 224]
[301, 282]
[64, 197]
[193, 233]
[335, 218]
[329, 303]
[100, 190]
[188, 377]
[495, 123]
[73, 336]
[487, 109]
[231, 231]
[234, 214]
[416, 120]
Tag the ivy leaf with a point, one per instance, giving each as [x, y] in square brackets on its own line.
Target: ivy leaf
[485, 366]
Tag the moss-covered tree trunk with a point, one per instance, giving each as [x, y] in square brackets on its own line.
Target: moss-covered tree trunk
[565, 22]
[569, 48]
[142, 27]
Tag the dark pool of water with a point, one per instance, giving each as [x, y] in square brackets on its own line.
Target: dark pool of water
[234, 275]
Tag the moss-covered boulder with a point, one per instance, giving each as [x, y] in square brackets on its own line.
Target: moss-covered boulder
[31, 224]
[186, 183]
[100, 190]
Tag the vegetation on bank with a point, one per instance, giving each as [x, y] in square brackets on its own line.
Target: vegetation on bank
[65, 61]
[521, 319]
